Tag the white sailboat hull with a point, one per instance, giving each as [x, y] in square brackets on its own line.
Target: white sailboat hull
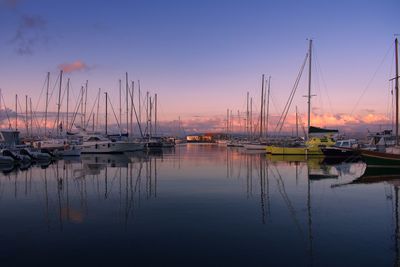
[255, 146]
[101, 147]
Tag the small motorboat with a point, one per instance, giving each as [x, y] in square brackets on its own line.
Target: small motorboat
[15, 156]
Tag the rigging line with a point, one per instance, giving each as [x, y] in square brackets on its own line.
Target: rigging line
[136, 115]
[294, 91]
[392, 109]
[20, 108]
[91, 112]
[274, 103]
[5, 108]
[390, 100]
[59, 104]
[318, 66]
[40, 95]
[286, 199]
[54, 87]
[35, 119]
[318, 88]
[63, 94]
[291, 96]
[115, 115]
[76, 109]
[371, 80]
[114, 177]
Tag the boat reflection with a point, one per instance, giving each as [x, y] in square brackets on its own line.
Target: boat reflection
[269, 174]
[390, 176]
[69, 187]
[286, 175]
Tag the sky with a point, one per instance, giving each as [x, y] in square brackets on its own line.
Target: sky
[202, 57]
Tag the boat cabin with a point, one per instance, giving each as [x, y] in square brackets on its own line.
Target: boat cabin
[347, 143]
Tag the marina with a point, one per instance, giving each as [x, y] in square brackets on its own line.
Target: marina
[199, 133]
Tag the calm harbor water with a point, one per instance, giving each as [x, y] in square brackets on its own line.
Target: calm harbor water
[197, 205]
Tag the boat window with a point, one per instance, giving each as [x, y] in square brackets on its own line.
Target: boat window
[346, 144]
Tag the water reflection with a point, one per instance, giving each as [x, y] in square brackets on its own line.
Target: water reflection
[67, 186]
[311, 170]
[236, 208]
[390, 176]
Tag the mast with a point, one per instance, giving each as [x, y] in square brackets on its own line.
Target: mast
[231, 121]
[106, 110]
[397, 89]
[81, 105]
[262, 104]
[127, 93]
[84, 111]
[98, 104]
[155, 114]
[67, 124]
[251, 118]
[59, 104]
[247, 115]
[47, 104]
[179, 126]
[16, 112]
[268, 94]
[297, 124]
[93, 122]
[26, 115]
[131, 97]
[239, 121]
[150, 116]
[147, 114]
[227, 122]
[30, 105]
[120, 106]
[309, 87]
[140, 107]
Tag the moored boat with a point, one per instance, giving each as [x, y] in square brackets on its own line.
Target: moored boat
[311, 147]
[98, 144]
[390, 156]
[343, 149]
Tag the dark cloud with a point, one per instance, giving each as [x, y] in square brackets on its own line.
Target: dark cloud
[31, 31]
[12, 4]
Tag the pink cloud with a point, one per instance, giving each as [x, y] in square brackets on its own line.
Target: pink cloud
[77, 65]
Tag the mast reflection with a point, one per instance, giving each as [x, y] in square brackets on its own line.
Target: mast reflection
[68, 188]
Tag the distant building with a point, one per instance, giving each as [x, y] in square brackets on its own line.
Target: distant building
[205, 138]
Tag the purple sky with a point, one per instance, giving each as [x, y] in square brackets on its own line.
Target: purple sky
[201, 57]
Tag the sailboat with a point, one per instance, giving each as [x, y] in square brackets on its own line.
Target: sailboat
[317, 138]
[391, 155]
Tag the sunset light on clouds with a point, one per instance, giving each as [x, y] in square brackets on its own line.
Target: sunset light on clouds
[202, 57]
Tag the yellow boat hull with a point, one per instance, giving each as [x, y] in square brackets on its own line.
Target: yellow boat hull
[312, 147]
[276, 150]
